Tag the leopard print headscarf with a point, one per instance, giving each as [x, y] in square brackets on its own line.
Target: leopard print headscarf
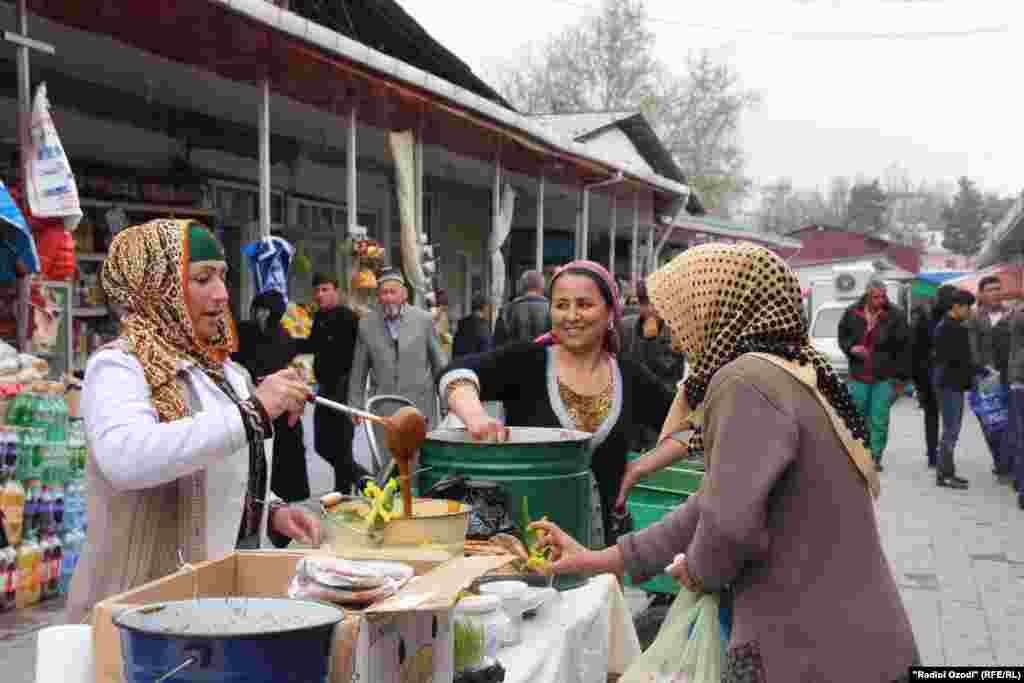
[146, 272]
[724, 300]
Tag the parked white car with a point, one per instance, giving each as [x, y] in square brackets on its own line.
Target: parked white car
[824, 335]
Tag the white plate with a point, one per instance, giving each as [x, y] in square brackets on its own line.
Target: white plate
[365, 574]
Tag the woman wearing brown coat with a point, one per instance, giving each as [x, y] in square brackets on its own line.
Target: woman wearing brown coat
[785, 522]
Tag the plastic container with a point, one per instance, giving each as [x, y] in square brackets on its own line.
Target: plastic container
[479, 625]
[513, 602]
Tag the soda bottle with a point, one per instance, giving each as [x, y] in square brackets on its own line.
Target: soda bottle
[56, 564]
[46, 510]
[36, 585]
[31, 510]
[8, 579]
[44, 567]
[71, 549]
[12, 502]
[58, 507]
[14, 409]
[27, 553]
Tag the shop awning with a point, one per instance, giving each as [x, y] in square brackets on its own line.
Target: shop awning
[16, 241]
[925, 285]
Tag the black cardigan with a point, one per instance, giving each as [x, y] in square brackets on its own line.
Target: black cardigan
[516, 375]
[953, 358]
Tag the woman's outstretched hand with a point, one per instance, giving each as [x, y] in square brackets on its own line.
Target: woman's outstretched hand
[568, 556]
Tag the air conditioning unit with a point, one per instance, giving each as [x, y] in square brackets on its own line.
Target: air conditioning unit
[851, 281]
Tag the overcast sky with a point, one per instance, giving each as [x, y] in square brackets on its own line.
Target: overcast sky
[832, 104]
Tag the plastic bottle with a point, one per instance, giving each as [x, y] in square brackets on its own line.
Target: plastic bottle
[59, 507]
[45, 550]
[12, 502]
[72, 546]
[31, 519]
[28, 560]
[8, 579]
[47, 522]
[56, 565]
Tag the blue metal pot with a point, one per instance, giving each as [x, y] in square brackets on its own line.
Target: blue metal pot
[257, 640]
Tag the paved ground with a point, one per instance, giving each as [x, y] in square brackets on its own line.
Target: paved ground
[957, 555]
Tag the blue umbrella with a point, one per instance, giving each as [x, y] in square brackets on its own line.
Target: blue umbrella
[16, 241]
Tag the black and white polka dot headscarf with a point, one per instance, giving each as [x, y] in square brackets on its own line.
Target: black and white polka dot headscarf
[724, 300]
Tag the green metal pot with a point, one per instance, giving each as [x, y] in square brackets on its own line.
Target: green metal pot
[549, 467]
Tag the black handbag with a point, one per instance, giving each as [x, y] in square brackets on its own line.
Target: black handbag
[489, 500]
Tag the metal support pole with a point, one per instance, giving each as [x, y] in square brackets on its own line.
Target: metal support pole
[585, 224]
[651, 265]
[265, 160]
[540, 224]
[611, 239]
[635, 245]
[23, 291]
[351, 171]
[418, 161]
[495, 227]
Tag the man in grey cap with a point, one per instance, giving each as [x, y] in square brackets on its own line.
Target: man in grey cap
[398, 349]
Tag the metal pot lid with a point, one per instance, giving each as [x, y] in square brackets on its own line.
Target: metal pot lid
[517, 436]
[228, 617]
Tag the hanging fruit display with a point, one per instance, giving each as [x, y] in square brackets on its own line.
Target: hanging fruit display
[368, 260]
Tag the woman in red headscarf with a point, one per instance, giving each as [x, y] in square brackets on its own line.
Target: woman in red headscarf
[571, 378]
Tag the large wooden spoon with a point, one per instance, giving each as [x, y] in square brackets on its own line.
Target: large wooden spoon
[404, 433]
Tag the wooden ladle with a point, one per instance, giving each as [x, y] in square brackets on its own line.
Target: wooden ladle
[404, 433]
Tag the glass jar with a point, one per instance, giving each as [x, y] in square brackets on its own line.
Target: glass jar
[479, 626]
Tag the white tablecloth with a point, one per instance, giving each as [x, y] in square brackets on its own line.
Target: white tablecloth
[579, 637]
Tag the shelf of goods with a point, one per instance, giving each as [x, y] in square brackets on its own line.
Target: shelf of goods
[42, 496]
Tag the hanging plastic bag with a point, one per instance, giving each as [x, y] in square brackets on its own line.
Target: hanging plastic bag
[689, 647]
[991, 404]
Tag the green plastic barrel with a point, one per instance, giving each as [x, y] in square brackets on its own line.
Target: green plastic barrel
[549, 467]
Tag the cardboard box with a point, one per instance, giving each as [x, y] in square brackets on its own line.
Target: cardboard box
[409, 631]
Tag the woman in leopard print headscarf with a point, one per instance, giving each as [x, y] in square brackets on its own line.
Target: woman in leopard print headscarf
[784, 526]
[177, 468]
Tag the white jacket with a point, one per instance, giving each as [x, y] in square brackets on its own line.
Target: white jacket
[135, 451]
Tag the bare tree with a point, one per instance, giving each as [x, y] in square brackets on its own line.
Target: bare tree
[838, 199]
[607, 62]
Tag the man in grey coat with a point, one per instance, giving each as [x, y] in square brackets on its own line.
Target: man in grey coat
[526, 317]
[398, 349]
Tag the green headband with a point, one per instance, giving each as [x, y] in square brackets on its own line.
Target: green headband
[202, 245]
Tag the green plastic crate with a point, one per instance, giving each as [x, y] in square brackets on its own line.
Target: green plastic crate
[643, 517]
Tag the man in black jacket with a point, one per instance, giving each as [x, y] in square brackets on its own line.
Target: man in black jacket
[526, 317]
[264, 348]
[333, 340]
[874, 335]
[474, 333]
[954, 375]
[924, 332]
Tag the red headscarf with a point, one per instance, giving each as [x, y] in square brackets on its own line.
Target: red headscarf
[609, 291]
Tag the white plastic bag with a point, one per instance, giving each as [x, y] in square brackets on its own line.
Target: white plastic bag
[681, 654]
